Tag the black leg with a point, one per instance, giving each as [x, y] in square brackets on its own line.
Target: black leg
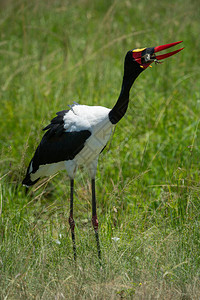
[71, 219]
[94, 218]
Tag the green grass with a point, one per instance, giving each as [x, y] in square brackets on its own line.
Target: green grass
[148, 182]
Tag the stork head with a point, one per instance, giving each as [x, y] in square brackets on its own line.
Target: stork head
[144, 57]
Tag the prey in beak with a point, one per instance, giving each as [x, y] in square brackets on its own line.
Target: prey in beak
[145, 56]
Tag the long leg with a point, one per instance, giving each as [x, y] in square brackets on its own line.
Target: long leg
[94, 218]
[71, 219]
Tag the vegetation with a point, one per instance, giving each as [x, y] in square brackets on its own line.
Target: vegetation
[148, 181]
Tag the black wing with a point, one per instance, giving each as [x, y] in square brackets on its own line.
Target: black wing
[56, 145]
[56, 127]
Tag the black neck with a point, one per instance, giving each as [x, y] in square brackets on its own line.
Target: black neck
[121, 106]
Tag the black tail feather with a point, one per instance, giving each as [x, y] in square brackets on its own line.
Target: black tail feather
[28, 182]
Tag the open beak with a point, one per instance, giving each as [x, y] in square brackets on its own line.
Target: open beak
[163, 47]
[146, 56]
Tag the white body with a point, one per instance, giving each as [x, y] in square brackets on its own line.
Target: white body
[82, 117]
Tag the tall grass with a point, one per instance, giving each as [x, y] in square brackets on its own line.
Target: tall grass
[148, 181]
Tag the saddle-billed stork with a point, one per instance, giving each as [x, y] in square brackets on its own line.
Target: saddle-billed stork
[78, 135]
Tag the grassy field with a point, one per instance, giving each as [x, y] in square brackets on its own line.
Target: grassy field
[148, 183]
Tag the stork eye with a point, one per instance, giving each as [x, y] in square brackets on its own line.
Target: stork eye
[148, 58]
